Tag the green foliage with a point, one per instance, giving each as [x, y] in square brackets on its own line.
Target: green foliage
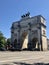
[2, 40]
[9, 41]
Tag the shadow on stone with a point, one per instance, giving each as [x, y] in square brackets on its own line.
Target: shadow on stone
[20, 63]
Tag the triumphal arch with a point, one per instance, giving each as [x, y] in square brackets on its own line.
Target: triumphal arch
[29, 33]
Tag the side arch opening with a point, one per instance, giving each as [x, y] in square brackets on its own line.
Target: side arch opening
[33, 45]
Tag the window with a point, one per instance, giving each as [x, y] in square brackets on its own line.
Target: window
[43, 31]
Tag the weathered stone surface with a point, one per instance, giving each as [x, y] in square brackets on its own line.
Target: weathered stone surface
[35, 27]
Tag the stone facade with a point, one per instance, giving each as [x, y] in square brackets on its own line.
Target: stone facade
[48, 43]
[29, 33]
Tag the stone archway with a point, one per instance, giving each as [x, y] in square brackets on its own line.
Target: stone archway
[24, 40]
[34, 43]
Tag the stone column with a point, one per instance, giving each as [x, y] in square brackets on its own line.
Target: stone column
[12, 34]
[39, 38]
[29, 35]
[18, 41]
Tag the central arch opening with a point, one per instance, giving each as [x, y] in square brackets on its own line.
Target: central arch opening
[24, 40]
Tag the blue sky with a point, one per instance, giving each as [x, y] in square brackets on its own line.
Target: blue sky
[11, 11]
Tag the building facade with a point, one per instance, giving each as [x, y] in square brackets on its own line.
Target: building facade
[48, 44]
[29, 32]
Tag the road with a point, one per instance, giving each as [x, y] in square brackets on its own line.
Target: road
[23, 57]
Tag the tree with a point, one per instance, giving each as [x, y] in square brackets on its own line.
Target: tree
[2, 40]
[8, 45]
[8, 40]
